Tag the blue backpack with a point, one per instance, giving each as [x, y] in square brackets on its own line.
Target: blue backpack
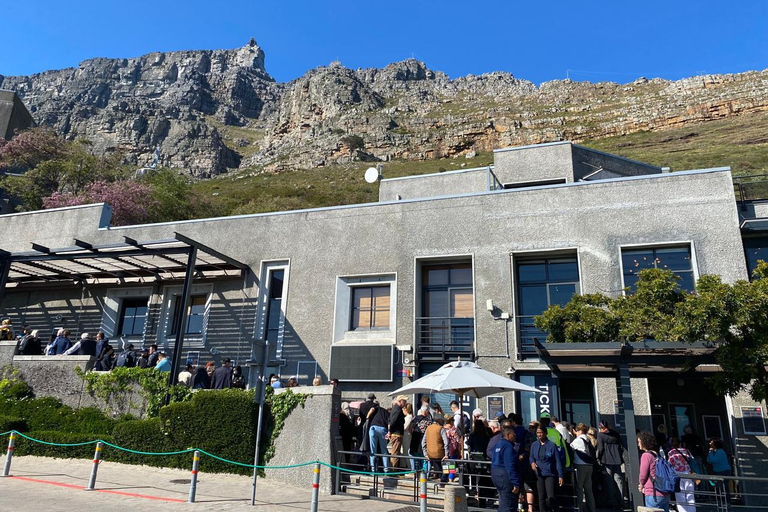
[666, 479]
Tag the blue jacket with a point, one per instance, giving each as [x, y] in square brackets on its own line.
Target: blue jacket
[547, 459]
[62, 344]
[505, 457]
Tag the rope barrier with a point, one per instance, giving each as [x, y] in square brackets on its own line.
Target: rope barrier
[222, 459]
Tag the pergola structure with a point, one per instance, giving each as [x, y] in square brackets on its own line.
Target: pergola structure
[126, 262]
[620, 361]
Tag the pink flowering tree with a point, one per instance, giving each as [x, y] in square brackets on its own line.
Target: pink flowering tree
[131, 201]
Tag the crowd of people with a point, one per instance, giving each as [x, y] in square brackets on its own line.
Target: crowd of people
[107, 358]
[528, 464]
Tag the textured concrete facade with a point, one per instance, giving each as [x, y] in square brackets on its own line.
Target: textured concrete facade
[449, 217]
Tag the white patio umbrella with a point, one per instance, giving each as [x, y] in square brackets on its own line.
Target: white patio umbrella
[463, 378]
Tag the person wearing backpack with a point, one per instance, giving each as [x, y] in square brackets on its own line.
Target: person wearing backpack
[657, 477]
[127, 358]
[584, 459]
[682, 461]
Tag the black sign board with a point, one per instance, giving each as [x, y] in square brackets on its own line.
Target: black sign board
[752, 420]
[495, 405]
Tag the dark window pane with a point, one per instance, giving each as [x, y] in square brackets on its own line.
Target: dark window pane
[674, 258]
[563, 271]
[195, 324]
[756, 249]
[461, 275]
[533, 299]
[686, 281]
[133, 316]
[561, 294]
[436, 303]
[532, 272]
[276, 284]
[273, 317]
[630, 281]
[637, 260]
[436, 276]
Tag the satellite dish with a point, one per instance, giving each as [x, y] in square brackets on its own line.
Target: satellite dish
[372, 175]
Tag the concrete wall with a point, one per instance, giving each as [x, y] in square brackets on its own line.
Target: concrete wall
[13, 114]
[592, 219]
[750, 450]
[586, 161]
[308, 435]
[435, 185]
[529, 164]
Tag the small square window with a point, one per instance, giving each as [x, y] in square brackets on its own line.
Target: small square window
[370, 307]
[677, 259]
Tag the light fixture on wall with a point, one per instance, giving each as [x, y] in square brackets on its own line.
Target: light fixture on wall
[510, 372]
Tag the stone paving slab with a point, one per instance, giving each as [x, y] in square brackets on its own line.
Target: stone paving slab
[53, 485]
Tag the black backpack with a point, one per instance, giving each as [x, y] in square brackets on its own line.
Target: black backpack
[125, 359]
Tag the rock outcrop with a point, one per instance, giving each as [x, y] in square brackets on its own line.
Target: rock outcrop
[212, 111]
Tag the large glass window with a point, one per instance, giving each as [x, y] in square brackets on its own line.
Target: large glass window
[676, 259]
[133, 316]
[274, 308]
[448, 310]
[755, 249]
[542, 283]
[195, 314]
[370, 307]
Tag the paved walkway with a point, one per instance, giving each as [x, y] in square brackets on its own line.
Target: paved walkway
[52, 485]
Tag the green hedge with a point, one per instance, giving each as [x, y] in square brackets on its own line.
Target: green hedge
[27, 447]
[8, 423]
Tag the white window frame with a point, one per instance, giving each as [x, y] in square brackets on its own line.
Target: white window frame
[659, 245]
[260, 327]
[170, 295]
[342, 310]
[112, 304]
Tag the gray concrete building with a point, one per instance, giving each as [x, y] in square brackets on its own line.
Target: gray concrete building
[448, 265]
[14, 115]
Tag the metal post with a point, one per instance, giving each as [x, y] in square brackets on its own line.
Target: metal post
[95, 469]
[315, 488]
[624, 389]
[181, 320]
[423, 492]
[9, 454]
[259, 395]
[193, 482]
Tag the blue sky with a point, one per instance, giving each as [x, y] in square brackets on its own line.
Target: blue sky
[537, 41]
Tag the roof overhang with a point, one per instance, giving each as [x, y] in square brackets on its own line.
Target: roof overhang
[647, 357]
[130, 261]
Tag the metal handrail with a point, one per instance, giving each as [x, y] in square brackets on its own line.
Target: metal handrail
[445, 335]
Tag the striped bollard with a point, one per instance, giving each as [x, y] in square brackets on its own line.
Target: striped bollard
[9, 454]
[423, 492]
[193, 482]
[95, 469]
[315, 488]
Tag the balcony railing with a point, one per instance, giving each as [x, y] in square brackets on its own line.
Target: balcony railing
[445, 337]
[751, 187]
[528, 334]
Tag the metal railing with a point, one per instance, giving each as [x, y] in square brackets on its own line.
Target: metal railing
[751, 187]
[445, 337]
[718, 493]
[529, 333]
[473, 473]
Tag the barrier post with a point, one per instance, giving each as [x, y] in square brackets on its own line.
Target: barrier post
[423, 492]
[315, 488]
[193, 482]
[9, 454]
[95, 469]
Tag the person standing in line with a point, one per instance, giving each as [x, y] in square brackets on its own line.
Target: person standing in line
[504, 470]
[584, 460]
[222, 377]
[396, 427]
[434, 444]
[238, 379]
[562, 430]
[163, 363]
[185, 376]
[154, 356]
[101, 343]
[653, 497]
[62, 343]
[680, 460]
[610, 454]
[547, 462]
[377, 433]
[720, 465]
[201, 379]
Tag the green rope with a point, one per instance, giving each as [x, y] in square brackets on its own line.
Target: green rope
[301, 464]
[188, 450]
[51, 444]
[6, 433]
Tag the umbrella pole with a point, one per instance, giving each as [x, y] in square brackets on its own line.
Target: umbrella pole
[461, 423]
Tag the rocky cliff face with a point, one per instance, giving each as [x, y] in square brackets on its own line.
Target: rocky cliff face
[211, 111]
